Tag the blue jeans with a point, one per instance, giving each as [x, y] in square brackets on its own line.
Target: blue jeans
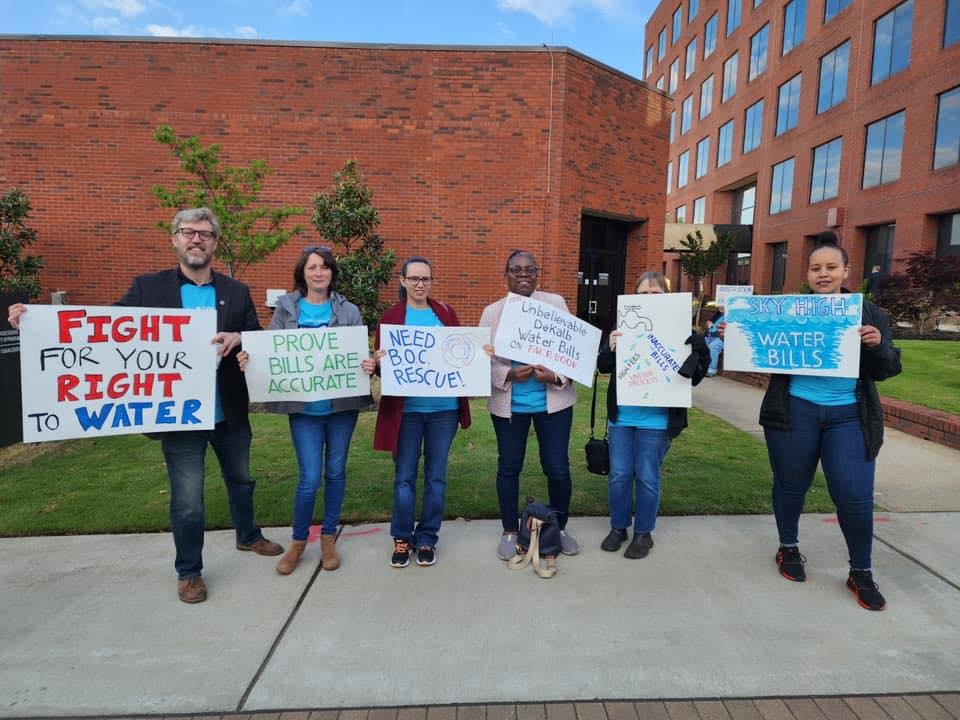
[184, 453]
[715, 344]
[432, 432]
[833, 436]
[321, 443]
[553, 436]
[635, 457]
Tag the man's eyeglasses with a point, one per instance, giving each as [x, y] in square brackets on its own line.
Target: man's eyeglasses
[416, 280]
[310, 249]
[190, 233]
[520, 270]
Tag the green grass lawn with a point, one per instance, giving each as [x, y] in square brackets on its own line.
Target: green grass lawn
[119, 484]
[930, 377]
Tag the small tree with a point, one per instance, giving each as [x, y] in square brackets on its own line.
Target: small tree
[250, 231]
[928, 290]
[698, 260]
[348, 220]
[19, 272]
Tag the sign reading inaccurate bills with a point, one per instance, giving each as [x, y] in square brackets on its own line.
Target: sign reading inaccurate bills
[651, 350]
[538, 333]
[434, 361]
[795, 334]
[724, 292]
[306, 364]
[93, 371]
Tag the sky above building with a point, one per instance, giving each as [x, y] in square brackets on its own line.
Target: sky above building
[610, 31]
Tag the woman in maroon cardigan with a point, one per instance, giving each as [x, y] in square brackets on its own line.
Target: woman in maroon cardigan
[411, 426]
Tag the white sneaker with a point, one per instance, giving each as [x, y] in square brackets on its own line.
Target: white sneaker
[508, 546]
[568, 544]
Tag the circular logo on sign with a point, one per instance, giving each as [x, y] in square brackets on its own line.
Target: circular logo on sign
[458, 351]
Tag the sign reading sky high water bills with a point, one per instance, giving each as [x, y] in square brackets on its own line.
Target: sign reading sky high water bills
[93, 371]
[537, 333]
[795, 334]
[434, 361]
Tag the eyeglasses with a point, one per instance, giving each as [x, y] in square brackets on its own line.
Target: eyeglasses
[310, 249]
[190, 233]
[418, 280]
[520, 270]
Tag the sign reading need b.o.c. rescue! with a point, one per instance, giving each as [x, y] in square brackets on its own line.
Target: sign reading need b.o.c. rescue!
[89, 371]
[434, 361]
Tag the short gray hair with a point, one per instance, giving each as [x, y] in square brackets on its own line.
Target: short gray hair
[193, 215]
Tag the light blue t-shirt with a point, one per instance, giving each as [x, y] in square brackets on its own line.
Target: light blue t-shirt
[824, 390]
[528, 396]
[315, 315]
[426, 317]
[194, 297]
[647, 418]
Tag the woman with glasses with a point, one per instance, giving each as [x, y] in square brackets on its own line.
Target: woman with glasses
[321, 430]
[413, 426]
[523, 394]
[639, 440]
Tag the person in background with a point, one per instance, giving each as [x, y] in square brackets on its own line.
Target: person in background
[714, 341]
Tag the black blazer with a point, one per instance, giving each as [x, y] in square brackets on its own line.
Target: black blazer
[235, 313]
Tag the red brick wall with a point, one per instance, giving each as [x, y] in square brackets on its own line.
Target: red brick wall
[454, 144]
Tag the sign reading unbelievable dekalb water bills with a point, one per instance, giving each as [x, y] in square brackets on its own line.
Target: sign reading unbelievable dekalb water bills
[795, 334]
[537, 333]
[92, 371]
[434, 361]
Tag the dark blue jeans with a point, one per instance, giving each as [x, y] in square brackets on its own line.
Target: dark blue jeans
[321, 443]
[184, 453]
[833, 436]
[553, 436]
[635, 457]
[432, 433]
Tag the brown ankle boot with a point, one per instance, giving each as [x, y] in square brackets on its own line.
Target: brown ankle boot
[328, 548]
[291, 557]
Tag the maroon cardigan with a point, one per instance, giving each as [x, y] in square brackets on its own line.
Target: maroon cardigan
[390, 413]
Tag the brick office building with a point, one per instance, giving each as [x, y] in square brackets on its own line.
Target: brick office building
[798, 116]
[470, 152]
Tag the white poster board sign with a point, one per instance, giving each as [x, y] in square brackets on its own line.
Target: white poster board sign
[726, 291]
[795, 334]
[434, 361]
[537, 333]
[93, 371]
[651, 350]
[306, 364]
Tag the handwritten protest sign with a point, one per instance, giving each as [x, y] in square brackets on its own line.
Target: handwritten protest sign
[306, 364]
[727, 291]
[93, 371]
[795, 334]
[434, 361]
[651, 350]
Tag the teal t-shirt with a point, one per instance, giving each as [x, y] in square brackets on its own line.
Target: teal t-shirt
[647, 418]
[824, 390]
[528, 396]
[315, 315]
[426, 317]
[195, 297]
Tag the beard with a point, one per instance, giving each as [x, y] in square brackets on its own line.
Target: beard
[195, 261]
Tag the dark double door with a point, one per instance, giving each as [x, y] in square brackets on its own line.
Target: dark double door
[600, 277]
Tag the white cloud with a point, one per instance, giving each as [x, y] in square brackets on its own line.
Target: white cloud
[127, 8]
[246, 31]
[110, 25]
[505, 30]
[297, 7]
[554, 12]
[168, 31]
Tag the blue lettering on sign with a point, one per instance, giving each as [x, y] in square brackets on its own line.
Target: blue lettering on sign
[131, 414]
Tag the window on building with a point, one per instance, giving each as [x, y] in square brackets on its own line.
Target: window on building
[673, 126]
[879, 250]
[692, 9]
[648, 63]
[683, 167]
[757, 3]
[758, 52]
[660, 83]
[753, 127]
[825, 176]
[744, 202]
[948, 232]
[662, 45]
[706, 97]
[891, 42]
[700, 210]
[674, 76]
[833, 77]
[781, 187]
[794, 23]
[884, 148]
[675, 35]
[788, 105]
[778, 270]
[734, 15]
[832, 7]
[681, 214]
[703, 157]
[691, 63]
[947, 144]
[710, 36]
[669, 177]
[729, 78]
[725, 144]
[686, 114]
[951, 23]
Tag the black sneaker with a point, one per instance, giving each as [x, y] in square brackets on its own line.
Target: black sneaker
[426, 555]
[791, 563]
[639, 547]
[613, 541]
[868, 594]
[401, 553]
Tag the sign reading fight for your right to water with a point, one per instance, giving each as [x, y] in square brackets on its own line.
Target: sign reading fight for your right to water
[794, 334]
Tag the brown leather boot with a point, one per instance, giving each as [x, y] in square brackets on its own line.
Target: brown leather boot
[328, 548]
[291, 557]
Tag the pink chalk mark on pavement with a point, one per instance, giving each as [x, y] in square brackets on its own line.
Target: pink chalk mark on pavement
[832, 520]
[316, 529]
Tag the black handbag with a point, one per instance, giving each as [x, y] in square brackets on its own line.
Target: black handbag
[597, 449]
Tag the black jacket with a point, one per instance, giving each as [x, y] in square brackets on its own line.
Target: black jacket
[676, 416]
[235, 313]
[877, 363]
